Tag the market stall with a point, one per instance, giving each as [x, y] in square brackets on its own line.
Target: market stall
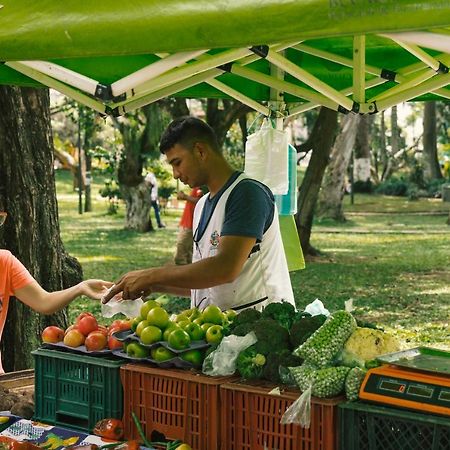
[281, 59]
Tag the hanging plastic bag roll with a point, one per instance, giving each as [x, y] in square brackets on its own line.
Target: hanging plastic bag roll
[266, 158]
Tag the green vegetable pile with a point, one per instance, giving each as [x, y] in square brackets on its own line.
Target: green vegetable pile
[353, 382]
[278, 329]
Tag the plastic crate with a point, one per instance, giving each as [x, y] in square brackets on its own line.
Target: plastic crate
[251, 420]
[371, 427]
[76, 390]
[180, 404]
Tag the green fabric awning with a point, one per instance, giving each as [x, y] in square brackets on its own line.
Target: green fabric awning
[360, 55]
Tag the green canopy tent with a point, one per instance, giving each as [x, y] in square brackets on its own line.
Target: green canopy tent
[277, 56]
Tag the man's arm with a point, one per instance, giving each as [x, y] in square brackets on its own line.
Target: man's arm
[222, 268]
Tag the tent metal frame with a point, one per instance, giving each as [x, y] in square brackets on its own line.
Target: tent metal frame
[176, 72]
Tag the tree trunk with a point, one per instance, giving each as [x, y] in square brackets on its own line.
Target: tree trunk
[320, 141]
[333, 186]
[362, 151]
[221, 119]
[31, 232]
[383, 149]
[432, 170]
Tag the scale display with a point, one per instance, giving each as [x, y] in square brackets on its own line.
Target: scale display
[408, 389]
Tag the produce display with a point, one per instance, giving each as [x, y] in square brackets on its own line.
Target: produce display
[180, 341]
[85, 335]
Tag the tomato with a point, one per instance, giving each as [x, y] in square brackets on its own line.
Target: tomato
[109, 429]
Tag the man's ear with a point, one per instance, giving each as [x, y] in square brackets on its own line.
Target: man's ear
[202, 149]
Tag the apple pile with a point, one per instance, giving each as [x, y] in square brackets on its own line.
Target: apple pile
[86, 331]
[154, 325]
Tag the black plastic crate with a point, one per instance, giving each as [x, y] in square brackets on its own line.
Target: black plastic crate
[371, 427]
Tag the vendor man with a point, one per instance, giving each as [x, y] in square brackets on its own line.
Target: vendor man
[238, 257]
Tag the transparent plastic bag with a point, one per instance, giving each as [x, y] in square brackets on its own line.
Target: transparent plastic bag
[266, 158]
[130, 308]
[300, 411]
[222, 361]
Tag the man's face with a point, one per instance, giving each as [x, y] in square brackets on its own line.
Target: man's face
[187, 165]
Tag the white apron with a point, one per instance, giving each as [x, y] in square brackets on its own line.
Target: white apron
[264, 277]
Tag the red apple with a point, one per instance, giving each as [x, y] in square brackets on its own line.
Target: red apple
[52, 334]
[112, 330]
[95, 341]
[114, 343]
[84, 314]
[103, 330]
[121, 324]
[70, 327]
[74, 338]
[87, 324]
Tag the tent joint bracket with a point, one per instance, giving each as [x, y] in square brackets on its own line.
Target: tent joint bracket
[260, 50]
[442, 68]
[373, 108]
[226, 67]
[343, 110]
[388, 74]
[104, 92]
[113, 112]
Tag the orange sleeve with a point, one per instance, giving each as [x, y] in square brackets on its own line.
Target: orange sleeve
[16, 276]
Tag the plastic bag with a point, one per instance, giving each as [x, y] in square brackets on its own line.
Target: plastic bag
[222, 361]
[316, 307]
[300, 411]
[130, 308]
[266, 158]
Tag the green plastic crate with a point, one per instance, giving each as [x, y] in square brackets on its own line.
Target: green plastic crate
[365, 426]
[76, 390]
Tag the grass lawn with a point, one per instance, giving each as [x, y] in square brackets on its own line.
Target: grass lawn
[392, 257]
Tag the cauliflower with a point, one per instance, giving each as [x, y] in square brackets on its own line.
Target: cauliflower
[365, 344]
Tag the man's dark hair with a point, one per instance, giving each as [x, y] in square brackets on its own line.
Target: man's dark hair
[186, 131]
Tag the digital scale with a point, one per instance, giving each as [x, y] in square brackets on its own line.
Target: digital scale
[418, 379]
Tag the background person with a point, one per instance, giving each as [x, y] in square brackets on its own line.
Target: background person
[183, 253]
[239, 259]
[151, 180]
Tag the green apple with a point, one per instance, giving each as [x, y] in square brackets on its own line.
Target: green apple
[184, 323]
[214, 334]
[195, 357]
[198, 321]
[195, 331]
[146, 307]
[182, 317]
[161, 354]
[136, 350]
[135, 322]
[193, 313]
[205, 326]
[141, 325]
[213, 314]
[172, 326]
[179, 339]
[150, 335]
[158, 317]
[230, 314]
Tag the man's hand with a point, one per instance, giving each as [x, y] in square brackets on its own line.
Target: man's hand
[133, 285]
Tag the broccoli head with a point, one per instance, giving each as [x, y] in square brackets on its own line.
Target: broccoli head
[305, 327]
[283, 313]
[249, 315]
[271, 336]
[275, 360]
[242, 329]
[250, 363]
